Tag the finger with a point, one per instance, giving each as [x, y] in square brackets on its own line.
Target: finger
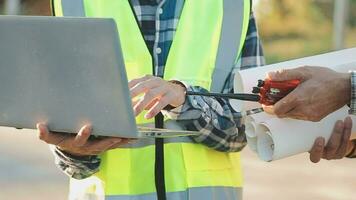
[159, 105]
[348, 124]
[82, 137]
[149, 96]
[286, 74]
[46, 136]
[298, 112]
[317, 151]
[43, 132]
[285, 105]
[335, 140]
[134, 102]
[268, 109]
[290, 114]
[150, 105]
[133, 82]
[341, 152]
[145, 86]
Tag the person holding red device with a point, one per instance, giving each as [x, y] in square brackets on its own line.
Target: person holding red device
[321, 91]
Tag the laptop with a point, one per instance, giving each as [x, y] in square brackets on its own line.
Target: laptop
[67, 72]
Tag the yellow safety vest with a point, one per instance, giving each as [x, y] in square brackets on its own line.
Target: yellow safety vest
[206, 46]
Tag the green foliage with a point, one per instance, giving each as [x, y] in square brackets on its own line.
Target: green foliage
[291, 29]
[290, 19]
[352, 13]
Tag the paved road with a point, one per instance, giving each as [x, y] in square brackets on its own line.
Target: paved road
[26, 168]
[27, 172]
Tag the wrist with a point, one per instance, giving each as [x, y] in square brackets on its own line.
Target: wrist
[73, 154]
[180, 89]
[346, 87]
[180, 84]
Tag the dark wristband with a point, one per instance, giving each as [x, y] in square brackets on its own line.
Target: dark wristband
[352, 153]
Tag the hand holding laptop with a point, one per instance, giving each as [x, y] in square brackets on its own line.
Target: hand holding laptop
[79, 144]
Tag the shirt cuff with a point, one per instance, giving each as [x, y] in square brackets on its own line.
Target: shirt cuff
[77, 167]
[353, 94]
[72, 158]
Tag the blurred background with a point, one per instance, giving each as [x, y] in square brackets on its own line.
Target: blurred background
[289, 29]
[293, 29]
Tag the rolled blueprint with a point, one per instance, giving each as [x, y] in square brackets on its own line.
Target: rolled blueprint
[273, 138]
[251, 124]
[280, 138]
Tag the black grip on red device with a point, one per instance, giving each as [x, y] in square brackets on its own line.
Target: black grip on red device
[273, 91]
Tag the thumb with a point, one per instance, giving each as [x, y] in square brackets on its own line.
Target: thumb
[286, 74]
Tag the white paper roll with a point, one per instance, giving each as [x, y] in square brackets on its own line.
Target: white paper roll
[274, 138]
[251, 123]
[280, 138]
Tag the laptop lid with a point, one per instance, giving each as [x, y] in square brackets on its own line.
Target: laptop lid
[66, 72]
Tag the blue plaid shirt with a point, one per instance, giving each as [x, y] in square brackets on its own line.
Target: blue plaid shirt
[353, 94]
[353, 108]
[220, 125]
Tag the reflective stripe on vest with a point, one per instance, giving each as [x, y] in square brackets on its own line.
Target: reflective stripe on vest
[204, 193]
[73, 8]
[230, 45]
[192, 58]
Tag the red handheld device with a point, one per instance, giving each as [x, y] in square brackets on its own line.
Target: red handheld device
[272, 91]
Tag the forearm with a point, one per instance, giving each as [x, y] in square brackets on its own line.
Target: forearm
[74, 166]
[220, 126]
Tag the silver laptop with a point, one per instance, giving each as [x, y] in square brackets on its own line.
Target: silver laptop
[66, 72]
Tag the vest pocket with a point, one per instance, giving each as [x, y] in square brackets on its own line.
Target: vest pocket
[200, 158]
[207, 167]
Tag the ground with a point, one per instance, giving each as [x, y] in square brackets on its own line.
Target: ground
[27, 172]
